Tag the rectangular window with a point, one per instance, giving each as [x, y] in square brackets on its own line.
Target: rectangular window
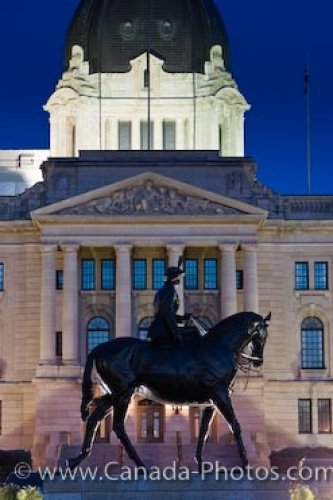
[159, 268]
[324, 416]
[312, 349]
[321, 275]
[210, 274]
[59, 344]
[2, 276]
[125, 136]
[191, 274]
[144, 139]
[139, 274]
[301, 276]
[88, 274]
[169, 135]
[59, 280]
[239, 280]
[146, 79]
[305, 416]
[108, 274]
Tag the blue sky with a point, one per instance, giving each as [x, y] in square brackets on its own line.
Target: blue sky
[270, 41]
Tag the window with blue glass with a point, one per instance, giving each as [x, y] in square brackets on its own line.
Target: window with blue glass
[210, 274]
[239, 279]
[321, 275]
[139, 274]
[108, 274]
[301, 276]
[191, 274]
[59, 280]
[98, 331]
[88, 274]
[2, 276]
[312, 347]
[159, 268]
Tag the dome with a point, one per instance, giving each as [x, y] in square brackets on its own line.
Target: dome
[113, 32]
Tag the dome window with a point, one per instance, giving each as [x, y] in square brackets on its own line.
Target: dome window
[166, 29]
[127, 30]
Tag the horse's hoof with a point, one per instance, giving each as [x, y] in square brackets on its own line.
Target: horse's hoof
[199, 464]
[245, 465]
[72, 463]
[142, 470]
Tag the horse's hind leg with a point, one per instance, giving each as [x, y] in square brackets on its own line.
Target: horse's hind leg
[206, 420]
[102, 408]
[119, 415]
[223, 403]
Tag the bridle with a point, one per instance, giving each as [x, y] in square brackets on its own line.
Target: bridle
[259, 328]
[256, 330]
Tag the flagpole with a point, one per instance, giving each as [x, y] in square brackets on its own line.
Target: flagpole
[308, 127]
[148, 77]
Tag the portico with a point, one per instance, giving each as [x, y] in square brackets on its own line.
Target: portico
[73, 233]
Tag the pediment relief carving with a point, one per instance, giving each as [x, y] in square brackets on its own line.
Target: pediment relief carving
[150, 198]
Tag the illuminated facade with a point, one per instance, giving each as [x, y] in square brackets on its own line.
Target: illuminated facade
[83, 251]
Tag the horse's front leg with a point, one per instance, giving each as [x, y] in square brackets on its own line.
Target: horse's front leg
[222, 401]
[102, 408]
[207, 417]
[119, 415]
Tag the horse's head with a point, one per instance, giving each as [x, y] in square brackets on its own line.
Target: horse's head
[257, 336]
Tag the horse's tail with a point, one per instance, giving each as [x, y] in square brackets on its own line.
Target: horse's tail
[87, 387]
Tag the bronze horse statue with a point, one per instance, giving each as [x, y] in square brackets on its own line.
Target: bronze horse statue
[200, 370]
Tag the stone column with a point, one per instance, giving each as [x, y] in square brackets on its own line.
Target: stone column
[228, 280]
[251, 294]
[158, 134]
[180, 135]
[48, 312]
[174, 252]
[136, 131]
[123, 291]
[70, 309]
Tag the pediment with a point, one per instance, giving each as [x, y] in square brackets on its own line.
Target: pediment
[149, 194]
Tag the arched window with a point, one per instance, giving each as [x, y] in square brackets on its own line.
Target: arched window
[143, 327]
[312, 343]
[98, 331]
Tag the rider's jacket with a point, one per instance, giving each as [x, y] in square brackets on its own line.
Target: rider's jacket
[166, 305]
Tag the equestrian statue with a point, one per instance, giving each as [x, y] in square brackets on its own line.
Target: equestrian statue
[174, 368]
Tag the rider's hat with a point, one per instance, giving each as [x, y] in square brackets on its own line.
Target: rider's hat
[173, 272]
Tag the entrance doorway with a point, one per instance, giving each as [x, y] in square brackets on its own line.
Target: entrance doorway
[150, 421]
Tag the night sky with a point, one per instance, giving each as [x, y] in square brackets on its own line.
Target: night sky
[270, 42]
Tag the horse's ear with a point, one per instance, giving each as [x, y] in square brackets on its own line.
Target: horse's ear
[180, 262]
[268, 318]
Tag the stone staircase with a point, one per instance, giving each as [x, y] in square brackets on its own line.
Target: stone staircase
[161, 455]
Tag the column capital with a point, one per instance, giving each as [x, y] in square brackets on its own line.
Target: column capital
[70, 248]
[123, 247]
[175, 248]
[48, 248]
[228, 247]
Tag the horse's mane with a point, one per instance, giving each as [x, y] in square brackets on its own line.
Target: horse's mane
[231, 322]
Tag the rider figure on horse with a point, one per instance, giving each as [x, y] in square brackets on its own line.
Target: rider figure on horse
[164, 328]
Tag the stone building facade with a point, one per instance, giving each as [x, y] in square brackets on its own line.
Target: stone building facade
[83, 250]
